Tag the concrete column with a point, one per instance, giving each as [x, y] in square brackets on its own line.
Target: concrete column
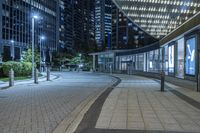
[11, 78]
[145, 68]
[94, 63]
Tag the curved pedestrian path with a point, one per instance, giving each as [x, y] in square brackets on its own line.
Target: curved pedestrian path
[30, 108]
[136, 105]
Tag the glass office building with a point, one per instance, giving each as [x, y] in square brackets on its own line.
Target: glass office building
[103, 23]
[15, 26]
[125, 33]
[66, 26]
[176, 52]
[83, 25]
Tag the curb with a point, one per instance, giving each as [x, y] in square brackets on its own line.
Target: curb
[72, 121]
[5, 85]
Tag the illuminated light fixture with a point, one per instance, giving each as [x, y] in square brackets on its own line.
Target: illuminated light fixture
[162, 16]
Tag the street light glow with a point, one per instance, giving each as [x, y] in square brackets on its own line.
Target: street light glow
[35, 16]
[12, 41]
[42, 37]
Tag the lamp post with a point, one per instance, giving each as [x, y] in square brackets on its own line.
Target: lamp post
[33, 41]
[12, 49]
[41, 39]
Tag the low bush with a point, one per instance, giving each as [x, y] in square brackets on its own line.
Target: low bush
[20, 68]
[26, 69]
[1, 71]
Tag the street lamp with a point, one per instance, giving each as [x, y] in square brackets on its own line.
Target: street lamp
[33, 41]
[12, 49]
[41, 39]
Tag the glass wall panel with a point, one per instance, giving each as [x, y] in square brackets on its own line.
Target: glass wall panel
[150, 60]
[166, 65]
[190, 56]
[171, 59]
[141, 62]
[101, 62]
[124, 64]
[156, 61]
[180, 59]
[129, 64]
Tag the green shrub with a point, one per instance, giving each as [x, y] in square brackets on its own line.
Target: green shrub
[20, 68]
[26, 69]
[1, 71]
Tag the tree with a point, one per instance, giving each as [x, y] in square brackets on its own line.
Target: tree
[83, 59]
[75, 60]
[27, 56]
[60, 58]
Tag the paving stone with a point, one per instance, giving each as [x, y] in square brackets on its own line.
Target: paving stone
[40, 108]
[136, 125]
[140, 105]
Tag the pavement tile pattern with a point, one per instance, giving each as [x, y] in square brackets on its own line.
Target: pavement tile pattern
[136, 104]
[40, 108]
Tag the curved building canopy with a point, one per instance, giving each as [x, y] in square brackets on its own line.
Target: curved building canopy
[159, 17]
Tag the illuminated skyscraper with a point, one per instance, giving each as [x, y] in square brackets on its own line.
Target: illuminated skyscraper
[15, 26]
[83, 25]
[125, 33]
[103, 23]
[66, 26]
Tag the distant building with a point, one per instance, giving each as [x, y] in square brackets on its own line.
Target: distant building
[83, 25]
[103, 23]
[66, 26]
[125, 34]
[15, 26]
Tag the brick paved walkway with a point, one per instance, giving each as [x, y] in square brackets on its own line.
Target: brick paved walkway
[40, 108]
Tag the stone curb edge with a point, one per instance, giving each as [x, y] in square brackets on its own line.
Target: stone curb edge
[71, 122]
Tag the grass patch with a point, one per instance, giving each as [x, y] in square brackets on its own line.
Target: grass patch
[6, 79]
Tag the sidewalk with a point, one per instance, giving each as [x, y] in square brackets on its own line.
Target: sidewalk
[27, 81]
[137, 105]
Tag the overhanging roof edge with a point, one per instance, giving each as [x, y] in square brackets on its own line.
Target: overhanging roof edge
[190, 24]
[132, 20]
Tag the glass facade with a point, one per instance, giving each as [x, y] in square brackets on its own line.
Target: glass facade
[176, 59]
[171, 58]
[103, 21]
[126, 34]
[16, 26]
[180, 58]
[190, 56]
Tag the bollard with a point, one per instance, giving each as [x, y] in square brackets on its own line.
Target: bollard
[198, 83]
[162, 84]
[48, 74]
[36, 76]
[110, 69]
[11, 78]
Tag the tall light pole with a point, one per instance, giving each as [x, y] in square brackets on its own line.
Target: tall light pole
[41, 39]
[12, 49]
[33, 44]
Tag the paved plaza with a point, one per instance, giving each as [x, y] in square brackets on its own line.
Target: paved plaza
[31, 108]
[125, 104]
[137, 104]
